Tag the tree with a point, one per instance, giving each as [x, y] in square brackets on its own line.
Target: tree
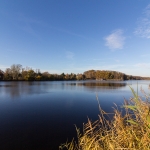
[90, 74]
[38, 77]
[1, 75]
[62, 76]
[30, 75]
[8, 74]
[80, 77]
[45, 76]
[15, 71]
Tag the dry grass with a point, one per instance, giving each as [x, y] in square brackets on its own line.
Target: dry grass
[130, 131]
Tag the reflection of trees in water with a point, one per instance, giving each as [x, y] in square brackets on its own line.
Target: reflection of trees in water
[18, 89]
[100, 85]
[11, 88]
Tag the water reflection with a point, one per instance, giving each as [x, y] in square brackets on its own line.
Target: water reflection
[100, 85]
[18, 89]
[47, 111]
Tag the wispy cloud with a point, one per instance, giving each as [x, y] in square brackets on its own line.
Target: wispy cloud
[3, 67]
[25, 23]
[117, 60]
[142, 65]
[113, 66]
[103, 67]
[115, 40]
[147, 10]
[16, 51]
[143, 29]
[71, 33]
[145, 55]
[84, 67]
[69, 55]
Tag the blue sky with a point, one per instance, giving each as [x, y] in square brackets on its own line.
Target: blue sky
[76, 35]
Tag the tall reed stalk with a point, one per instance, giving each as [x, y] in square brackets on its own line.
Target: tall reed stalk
[130, 131]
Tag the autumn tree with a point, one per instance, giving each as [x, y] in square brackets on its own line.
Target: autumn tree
[15, 71]
[80, 77]
[45, 76]
[8, 74]
[1, 75]
[30, 76]
[90, 74]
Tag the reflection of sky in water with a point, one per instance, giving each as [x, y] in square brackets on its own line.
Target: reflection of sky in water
[47, 111]
[69, 92]
[15, 90]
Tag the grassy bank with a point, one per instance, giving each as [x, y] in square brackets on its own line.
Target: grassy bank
[130, 131]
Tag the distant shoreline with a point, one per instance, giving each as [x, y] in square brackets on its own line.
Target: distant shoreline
[17, 73]
[69, 80]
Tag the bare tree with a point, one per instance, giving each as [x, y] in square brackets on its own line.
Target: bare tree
[15, 70]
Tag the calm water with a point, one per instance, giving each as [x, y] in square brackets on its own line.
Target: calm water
[42, 115]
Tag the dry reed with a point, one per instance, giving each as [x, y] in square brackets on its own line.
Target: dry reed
[130, 131]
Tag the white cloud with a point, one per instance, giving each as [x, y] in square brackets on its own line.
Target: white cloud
[104, 67]
[69, 55]
[145, 55]
[16, 51]
[142, 65]
[117, 60]
[143, 29]
[115, 40]
[3, 67]
[147, 10]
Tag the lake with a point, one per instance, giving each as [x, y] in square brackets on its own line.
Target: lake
[42, 115]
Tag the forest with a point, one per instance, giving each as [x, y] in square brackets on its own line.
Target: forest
[17, 73]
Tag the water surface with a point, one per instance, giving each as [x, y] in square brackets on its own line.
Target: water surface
[42, 115]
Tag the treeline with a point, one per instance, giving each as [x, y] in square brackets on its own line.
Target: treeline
[17, 72]
[111, 75]
[105, 75]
